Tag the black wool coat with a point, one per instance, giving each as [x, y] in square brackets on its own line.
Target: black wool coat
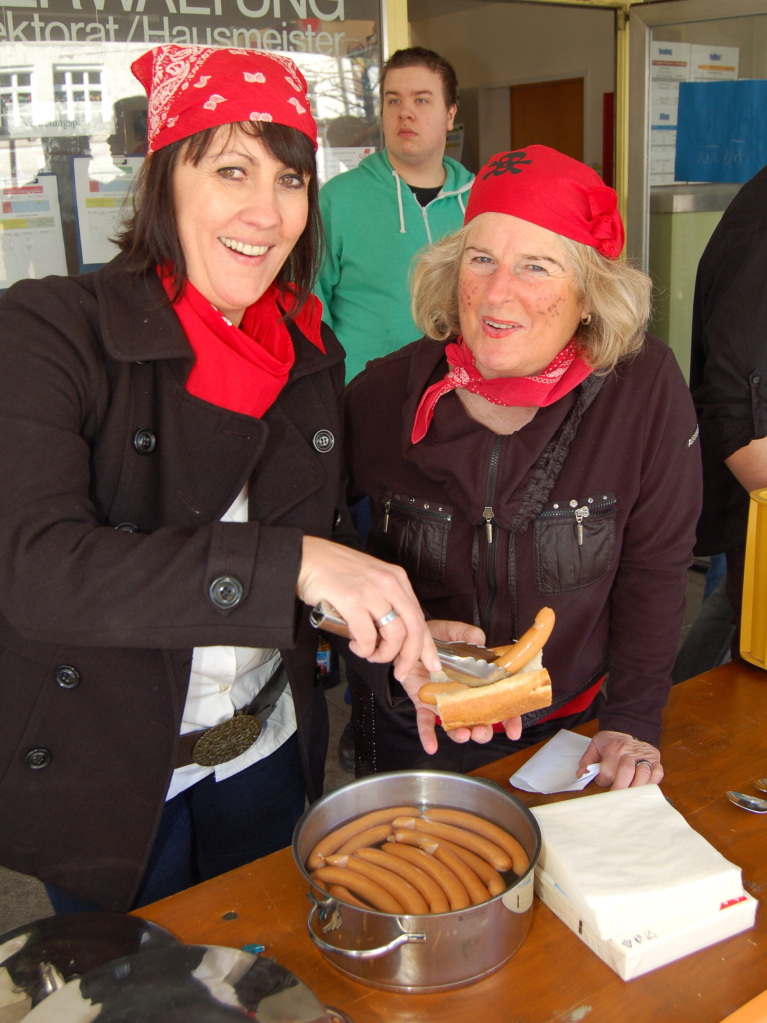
[114, 564]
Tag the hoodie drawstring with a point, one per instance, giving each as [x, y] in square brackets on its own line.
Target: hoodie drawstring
[424, 209]
[399, 203]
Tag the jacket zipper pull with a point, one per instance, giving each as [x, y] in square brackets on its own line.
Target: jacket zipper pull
[386, 507]
[581, 514]
[487, 515]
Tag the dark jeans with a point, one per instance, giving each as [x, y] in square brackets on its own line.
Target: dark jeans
[714, 636]
[708, 642]
[214, 826]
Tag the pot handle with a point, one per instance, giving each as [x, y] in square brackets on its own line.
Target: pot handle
[356, 953]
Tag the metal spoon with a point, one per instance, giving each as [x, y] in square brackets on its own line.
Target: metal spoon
[751, 803]
[760, 783]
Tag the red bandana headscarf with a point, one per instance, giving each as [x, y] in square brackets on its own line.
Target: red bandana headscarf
[189, 89]
[547, 188]
[195, 87]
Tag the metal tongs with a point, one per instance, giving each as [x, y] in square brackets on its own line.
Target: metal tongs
[461, 661]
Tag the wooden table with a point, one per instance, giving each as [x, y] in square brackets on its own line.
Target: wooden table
[715, 738]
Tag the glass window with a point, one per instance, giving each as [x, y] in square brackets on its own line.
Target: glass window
[74, 102]
[84, 118]
[15, 97]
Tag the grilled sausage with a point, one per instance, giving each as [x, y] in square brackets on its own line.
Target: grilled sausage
[478, 844]
[457, 896]
[419, 879]
[369, 836]
[333, 841]
[525, 649]
[490, 831]
[359, 885]
[403, 891]
[477, 891]
[344, 895]
[487, 874]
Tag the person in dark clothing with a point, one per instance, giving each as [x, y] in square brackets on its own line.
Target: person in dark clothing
[728, 380]
[172, 430]
[535, 448]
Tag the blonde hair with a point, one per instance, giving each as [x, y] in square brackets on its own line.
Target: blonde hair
[617, 295]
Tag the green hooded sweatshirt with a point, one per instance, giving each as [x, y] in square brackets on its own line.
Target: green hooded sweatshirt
[374, 227]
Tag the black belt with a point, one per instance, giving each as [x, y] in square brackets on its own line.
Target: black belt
[209, 747]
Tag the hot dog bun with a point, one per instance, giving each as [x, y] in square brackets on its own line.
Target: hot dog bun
[527, 688]
[485, 705]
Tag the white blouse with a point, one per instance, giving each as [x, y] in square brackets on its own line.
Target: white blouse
[223, 679]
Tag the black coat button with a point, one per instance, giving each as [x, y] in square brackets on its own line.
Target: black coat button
[323, 441]
[144, 441]
[67, 677]
[226, 591]
[127, 527]
[36, 759]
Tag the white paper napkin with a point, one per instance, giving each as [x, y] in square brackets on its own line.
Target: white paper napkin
[553, 767]
[626, 858]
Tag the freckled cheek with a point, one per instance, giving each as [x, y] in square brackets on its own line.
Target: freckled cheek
[468, 293]
[550, 308]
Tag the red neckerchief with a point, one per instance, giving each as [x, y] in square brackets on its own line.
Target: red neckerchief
[241, 368]
[563, 373]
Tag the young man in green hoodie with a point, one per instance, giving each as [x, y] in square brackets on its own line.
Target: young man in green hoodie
[379, 215]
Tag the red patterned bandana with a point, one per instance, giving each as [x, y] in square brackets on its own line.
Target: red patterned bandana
[241, 368]
[547, 188]
[563, 373]
[195, 87]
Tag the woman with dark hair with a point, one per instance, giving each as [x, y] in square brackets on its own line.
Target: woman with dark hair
[174, 493]
[535, 449]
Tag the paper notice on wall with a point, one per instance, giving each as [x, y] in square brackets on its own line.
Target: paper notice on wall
[100, 196]
[713, 63]
[669, 62]
[664, 104]
[31, 238]
[669, 65]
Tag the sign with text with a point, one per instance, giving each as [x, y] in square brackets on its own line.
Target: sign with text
[290, 26]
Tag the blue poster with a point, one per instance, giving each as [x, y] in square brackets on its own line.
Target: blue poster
[721, 130]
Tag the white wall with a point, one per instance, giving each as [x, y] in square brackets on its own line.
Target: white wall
[500, 44]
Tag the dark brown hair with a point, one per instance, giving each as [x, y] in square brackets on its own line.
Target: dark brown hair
[419, 56]
[150, 236]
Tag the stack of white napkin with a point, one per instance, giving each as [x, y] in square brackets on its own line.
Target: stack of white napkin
[634, 881]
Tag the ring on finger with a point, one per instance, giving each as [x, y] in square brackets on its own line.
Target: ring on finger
[389, 617]
[649, 763]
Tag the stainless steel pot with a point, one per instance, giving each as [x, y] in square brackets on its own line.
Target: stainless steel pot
[425, 952]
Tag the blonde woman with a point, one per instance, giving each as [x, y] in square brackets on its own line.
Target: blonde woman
[536, 448]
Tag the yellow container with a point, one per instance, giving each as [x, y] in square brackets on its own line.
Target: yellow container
[753, 624]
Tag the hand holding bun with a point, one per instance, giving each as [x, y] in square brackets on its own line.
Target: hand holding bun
[460, 705]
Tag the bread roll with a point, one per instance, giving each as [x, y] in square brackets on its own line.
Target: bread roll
[486, 705]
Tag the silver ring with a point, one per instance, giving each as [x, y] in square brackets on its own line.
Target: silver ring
[649, 763]
[387, 618]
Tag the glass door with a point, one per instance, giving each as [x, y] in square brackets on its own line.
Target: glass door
[683, 172]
